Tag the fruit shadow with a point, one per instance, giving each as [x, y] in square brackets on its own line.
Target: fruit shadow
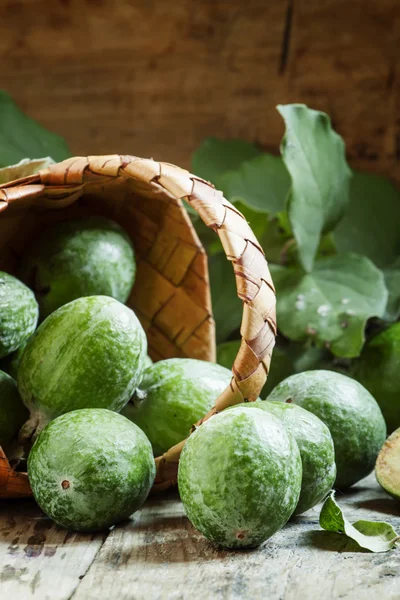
[332, 542]
[172, 539]
[26, 530]
[386, 506]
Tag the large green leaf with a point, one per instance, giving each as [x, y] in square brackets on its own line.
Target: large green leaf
[314, 155]
[262, 183]
[371, 224]
[376, 536]
[227, 307]
[215, 157]
[392, 279]
[332, 304]
[21, 137]
[24, 168]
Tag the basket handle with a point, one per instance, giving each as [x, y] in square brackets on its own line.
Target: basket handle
[254, 287]
[62, 183]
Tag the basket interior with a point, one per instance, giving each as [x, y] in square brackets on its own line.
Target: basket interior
[171, 295]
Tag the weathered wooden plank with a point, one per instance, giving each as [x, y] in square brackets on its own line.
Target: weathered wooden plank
[159, 555]
[37, 558]
[155, 78]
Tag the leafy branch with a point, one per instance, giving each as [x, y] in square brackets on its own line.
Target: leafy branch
[331, 235]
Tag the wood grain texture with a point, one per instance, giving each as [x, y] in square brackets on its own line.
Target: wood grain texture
[154, 78]
[37, 558]
[158, 555]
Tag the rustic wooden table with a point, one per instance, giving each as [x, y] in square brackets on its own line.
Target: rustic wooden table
[158, 555]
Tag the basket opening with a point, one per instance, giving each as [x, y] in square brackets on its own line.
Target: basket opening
[171, 294]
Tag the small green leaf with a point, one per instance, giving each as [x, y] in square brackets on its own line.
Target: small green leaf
[227, 308]
[215, 157]
[314, 155]
[371, 224]
[262, 183]
[22, 137]
[392, 279]
[332, 304]
[24, 168]
[376, 536]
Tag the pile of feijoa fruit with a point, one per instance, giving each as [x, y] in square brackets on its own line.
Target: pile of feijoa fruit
[83, 407]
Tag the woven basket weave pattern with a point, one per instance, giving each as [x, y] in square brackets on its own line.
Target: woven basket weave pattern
[145, 197]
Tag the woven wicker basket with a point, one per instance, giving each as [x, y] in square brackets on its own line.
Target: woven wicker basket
[171, 295]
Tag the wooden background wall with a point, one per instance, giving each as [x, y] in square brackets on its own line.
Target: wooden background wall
[153, 78]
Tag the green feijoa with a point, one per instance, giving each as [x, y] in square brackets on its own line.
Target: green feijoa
[87, 354]
[316, 449]
[90, 468]
[378, 370]
[240, 477]
[83, 257]
[350, 412]
[387, 468]
[12, 414]
[18, 313]
[172, 396]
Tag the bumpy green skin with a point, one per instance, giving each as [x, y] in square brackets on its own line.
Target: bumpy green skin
[90, 469]
[316, 449]
[13, 413]
[240, 477]
[352, 415]
[173, 395]
[378, 369]
[387, 468]
[18, 313]
[87, 354]
[86, 257]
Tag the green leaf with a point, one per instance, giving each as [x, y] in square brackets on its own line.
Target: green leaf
[371, 224]
[332, 304]
[281, 364]
[24, 168]
[392, 279]
[262, 183]
[314, 155]
[309, 357]
[21, 137]
[270, 231]
[227, 308]
[215, 157]
[376, 536]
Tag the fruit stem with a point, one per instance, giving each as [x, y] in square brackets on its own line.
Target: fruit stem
[30, 431]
